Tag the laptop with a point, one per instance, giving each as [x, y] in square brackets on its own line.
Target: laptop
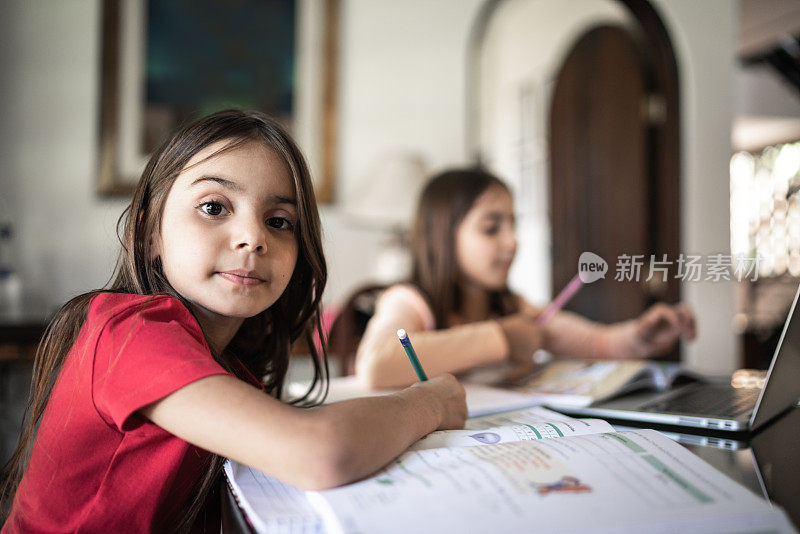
[717, 406]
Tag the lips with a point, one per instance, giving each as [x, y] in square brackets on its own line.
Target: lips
[242, 277]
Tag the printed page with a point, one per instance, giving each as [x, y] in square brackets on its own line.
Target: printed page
[481, 399]
[578, 383]
[637, 481]
[272, 506]
[528, 424]
[533, 414]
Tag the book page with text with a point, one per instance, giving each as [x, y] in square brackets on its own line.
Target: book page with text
[578, 383]
[632, 481]
[528, 424]
[272, 506]
[533, 414]
[481, 399]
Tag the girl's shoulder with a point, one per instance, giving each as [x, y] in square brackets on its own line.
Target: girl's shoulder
[110, 302]
[115, 308]
[119, 320]
[410, 296]
[404, 290]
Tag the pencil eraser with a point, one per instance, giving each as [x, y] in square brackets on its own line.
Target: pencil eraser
[402, 333]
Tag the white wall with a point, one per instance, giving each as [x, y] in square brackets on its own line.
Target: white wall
[65, 235]
[706, 62]
[402, 86]
[403, 67]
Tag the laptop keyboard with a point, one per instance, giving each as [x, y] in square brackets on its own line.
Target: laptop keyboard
[723, 402]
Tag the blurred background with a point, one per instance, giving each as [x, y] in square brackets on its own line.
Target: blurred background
[660, 128]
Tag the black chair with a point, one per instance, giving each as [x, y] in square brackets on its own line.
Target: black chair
[349, 326]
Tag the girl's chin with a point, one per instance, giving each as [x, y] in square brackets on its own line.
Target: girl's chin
[235, 312]
[244, 313]
[497, 285]
[496, 282]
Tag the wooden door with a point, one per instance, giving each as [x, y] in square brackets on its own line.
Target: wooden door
[603, 186]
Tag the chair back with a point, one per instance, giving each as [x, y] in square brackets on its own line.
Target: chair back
[350, 324]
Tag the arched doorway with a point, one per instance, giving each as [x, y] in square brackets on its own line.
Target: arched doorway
[652, 194]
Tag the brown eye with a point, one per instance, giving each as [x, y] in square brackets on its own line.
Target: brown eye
[280, 223]
[212, 208]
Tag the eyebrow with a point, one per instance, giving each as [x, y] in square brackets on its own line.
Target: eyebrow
[233, 186]
[228, 184]
[496, 215]
[277, 199]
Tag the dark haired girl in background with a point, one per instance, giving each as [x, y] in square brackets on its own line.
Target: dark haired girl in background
[459, 308]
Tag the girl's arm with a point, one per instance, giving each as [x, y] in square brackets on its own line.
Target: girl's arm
[382, 362]
[569, 334]
[312, 448]
[653, 333]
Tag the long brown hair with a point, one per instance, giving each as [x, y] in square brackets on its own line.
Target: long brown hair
[262, 344]
[444, 202]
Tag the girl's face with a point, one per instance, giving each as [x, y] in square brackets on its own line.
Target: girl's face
[485, 240]
[227, 241]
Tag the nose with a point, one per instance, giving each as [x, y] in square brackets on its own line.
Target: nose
[251, 236]
[510, 239]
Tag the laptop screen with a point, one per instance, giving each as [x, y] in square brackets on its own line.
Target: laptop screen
[782, 386]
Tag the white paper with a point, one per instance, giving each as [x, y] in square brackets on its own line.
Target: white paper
[533, 414]
[521, 425]
[272, 506]
[481, 400]
[636, 481]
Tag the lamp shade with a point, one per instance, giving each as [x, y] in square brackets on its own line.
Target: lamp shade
[387, 195]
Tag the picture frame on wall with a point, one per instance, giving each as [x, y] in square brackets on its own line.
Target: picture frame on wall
[167, 62]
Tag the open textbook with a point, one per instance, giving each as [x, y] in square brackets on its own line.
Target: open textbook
[561, 383]
[522, 471]
[579, 383]
[481, 399]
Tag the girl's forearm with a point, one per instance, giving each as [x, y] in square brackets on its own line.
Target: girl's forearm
[371, 432]
[310, 448]
[568, 334]
[381, 361]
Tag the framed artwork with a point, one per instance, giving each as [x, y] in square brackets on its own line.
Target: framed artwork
[166, 61]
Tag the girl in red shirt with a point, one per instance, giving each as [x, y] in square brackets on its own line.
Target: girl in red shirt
[141, 389]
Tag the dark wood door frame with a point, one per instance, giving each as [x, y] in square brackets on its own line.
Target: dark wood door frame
[600, 174]
[663, 81]
[664, 134]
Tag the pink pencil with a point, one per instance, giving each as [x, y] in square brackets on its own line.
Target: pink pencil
[561, 300]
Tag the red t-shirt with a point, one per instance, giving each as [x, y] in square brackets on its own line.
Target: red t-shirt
[97, 464]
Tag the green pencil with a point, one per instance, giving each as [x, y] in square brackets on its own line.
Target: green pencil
[411, 354]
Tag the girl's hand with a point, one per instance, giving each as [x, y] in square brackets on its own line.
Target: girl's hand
[523, 334]
[656, 331]
[449, 398]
